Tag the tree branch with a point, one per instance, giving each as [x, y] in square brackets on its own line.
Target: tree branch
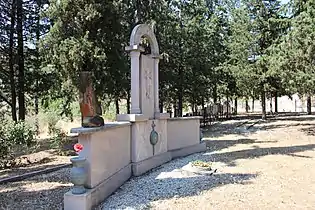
[4, 98]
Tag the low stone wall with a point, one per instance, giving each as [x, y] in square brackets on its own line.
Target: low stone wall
[119, 150]
[183, 132]
[108, 165]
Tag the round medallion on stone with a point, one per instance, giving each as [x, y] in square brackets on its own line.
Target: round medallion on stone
[154, 137]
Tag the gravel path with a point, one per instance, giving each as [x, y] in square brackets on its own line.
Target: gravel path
[269, 166]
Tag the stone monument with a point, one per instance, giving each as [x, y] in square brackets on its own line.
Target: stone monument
[147, 121]
[136, 142]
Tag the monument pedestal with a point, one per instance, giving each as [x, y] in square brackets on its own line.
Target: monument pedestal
[145, 154]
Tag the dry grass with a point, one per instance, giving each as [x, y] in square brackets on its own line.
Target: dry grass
[280, 154]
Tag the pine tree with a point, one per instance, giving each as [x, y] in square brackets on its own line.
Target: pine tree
[266, 29]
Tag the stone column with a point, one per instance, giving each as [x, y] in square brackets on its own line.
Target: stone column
[156, 84]
[135, 79]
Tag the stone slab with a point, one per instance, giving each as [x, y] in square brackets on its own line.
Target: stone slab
[141, 148]
[147, 89]
[106, 152]
[182, 152]
[150, 163]
[182, 132]
[107, 126]
[97, 194]
[185, 118]
[161, 116]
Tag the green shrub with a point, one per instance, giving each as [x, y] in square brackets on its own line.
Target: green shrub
[20, 133]
[58, 140]
[48, 119]
[52, 119]
[12, 135]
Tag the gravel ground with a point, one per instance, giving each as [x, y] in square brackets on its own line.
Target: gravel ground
[269, 166]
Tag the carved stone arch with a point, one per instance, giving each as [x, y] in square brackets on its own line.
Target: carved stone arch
[143, 30]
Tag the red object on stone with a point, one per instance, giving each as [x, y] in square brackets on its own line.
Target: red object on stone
[78, 147]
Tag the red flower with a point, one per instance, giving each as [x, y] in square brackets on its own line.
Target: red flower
[78, 147]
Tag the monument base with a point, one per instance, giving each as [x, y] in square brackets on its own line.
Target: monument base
[182, 152]
[144, 166]
[97, 194]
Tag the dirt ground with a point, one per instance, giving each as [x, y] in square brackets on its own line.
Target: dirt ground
[275, 159]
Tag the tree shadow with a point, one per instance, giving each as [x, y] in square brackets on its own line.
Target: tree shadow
[231, 157]
[22, 198]
[171, 184]
[245, 127]
[217, 145]
[218, 130]
[21, 173]
[279, 126]
[296, 118]
[309, 131]
[40, 192]
[24, 167]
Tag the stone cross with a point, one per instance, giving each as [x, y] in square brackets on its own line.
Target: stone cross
[144, 73]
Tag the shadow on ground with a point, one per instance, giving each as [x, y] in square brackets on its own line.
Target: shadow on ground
[22, 198]
[243, 128]
[40, 192]
[279, 126]
[217, 145]
[231, 157]
[21, 171]
[35, 179]
[170, 187]
[228, 128]
[309, 131]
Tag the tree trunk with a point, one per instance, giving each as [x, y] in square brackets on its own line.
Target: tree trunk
[37, 65]
[11, 62]
[175, 110]
[117, 106]
[227, 106]
[128, 102]
[181, 78]
[246, 106]
[309, 105]
[204, 111]
[21, 77]
[215, 94]
[180, 94]
[253, 104]
[263, 105]
[276, 102]
[270, 105]
[161, 106]
[235, 106]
